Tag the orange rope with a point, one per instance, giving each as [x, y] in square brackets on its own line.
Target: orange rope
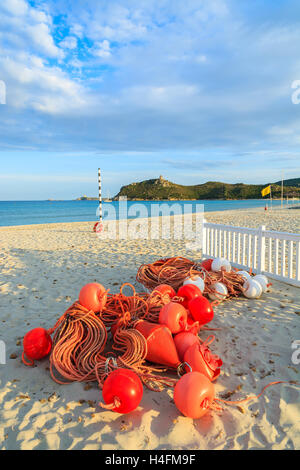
[255, 397]
[78, 344]
[171, 271]
[117, 305]
[80, 338]
[27, 363]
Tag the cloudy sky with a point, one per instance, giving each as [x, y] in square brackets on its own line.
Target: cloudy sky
[193, 90]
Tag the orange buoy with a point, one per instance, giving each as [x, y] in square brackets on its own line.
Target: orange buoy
[174, 316]
[161, 346]
[200, 359]
[183, 341]
[194, 394]
[93, 297]
[165, 289]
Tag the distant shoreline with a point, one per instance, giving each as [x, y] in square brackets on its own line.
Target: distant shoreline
[166, 200]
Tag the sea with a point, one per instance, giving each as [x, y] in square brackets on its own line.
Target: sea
[40, 212]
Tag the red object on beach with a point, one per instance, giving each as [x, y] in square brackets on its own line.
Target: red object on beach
[174, 316]
[98, 227]
[201, 310]
[206, 264]
[165, 289]
[188, 292]
[114, 328]
[160, 343]
[93, 297]
[200, 359]
[122, 391]
[194, 394]
[183, 341]
[192, 325]
[37, 343]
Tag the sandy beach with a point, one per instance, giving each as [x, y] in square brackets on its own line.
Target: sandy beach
[42, 269]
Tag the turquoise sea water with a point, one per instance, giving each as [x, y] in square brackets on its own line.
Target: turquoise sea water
[40, 212]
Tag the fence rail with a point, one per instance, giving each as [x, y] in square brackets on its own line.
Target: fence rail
[276, 254]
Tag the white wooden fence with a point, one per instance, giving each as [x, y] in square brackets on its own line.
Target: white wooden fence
[276, 254]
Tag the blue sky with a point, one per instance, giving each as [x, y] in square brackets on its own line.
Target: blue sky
[194, 90]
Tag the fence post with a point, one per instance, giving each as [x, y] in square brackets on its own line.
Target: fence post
[204, 238]
[261, 249]
[298, 261]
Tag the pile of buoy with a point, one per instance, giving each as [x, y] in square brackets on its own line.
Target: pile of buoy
[124, 341]
[215, 278]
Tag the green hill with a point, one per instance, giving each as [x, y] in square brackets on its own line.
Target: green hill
[161, 189]
[295, 182]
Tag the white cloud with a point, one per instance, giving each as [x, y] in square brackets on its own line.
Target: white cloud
[102, 49]
[27, 27]
[40, 87]
[69, 42]
[16, 7]
[42, 40]
[77, 30]
[163, 98]
[181, 74]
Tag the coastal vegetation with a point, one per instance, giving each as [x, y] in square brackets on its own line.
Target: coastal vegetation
[162, 189]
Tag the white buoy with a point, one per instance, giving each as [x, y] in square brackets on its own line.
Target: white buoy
[263, 280]
[244, 274]
[253, 289]
[227, 265]
[220, 291]
[196, 280]
[219, 263]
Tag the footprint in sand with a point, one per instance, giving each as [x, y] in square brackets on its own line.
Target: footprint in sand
[4, 288]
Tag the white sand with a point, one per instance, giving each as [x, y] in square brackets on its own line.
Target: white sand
[42, 269]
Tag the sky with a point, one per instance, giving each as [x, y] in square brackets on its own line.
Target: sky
[193, 90]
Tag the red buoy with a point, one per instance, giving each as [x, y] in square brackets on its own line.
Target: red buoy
[200, 359]
[201, 310]
[114, 328]
[183, 341]
[188, 292]
[37, 344]
[161, 346]
[194, 394]
[192, 325]
[122, 391]
[93, 297]
[174, 316]
[98, 227]
[206, 264]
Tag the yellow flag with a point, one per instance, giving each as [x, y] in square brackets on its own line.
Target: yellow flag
[266, 191]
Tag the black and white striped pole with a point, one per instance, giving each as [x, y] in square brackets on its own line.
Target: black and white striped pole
[100, 195]
[98, 227]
